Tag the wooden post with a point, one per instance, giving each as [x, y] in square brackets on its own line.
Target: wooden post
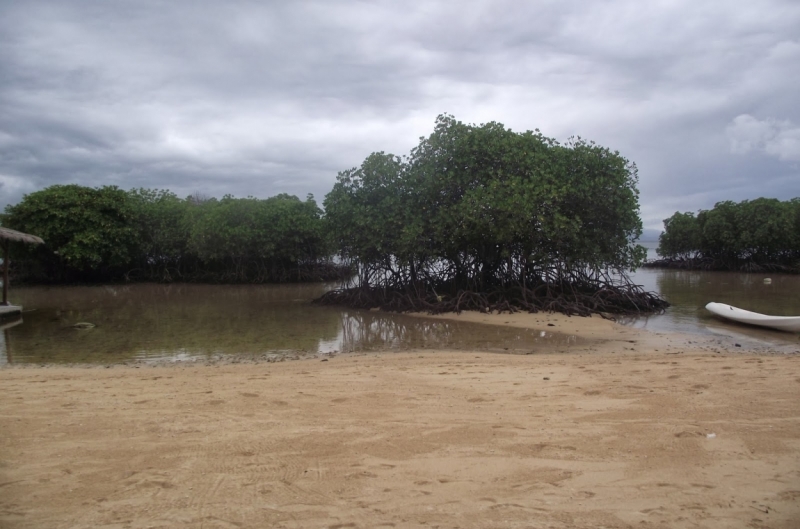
[5, 272]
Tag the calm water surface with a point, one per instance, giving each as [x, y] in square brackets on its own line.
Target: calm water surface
[179, 322]
[689, 292]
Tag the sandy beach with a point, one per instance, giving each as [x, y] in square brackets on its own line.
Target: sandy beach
[626, 429]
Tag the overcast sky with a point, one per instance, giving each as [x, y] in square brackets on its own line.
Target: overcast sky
[260, 98]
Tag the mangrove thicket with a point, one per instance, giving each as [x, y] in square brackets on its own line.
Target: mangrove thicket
[480, 217]
[107, 234]
[752, 235]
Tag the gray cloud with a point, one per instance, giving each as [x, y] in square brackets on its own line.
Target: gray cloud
[259, 98]
[776, 138]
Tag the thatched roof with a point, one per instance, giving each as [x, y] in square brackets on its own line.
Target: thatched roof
[14, 235]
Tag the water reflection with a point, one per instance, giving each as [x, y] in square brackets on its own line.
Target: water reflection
[690, 291]
[153, 321]
[156, 322]
[369, 331]
[6, 355]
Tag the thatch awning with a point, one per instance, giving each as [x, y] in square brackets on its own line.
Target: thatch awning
[14, 235]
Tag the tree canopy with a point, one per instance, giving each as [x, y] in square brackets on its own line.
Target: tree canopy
[107, 234]
[86, 230]
[474, 217]
[480, 209]
[760, 234]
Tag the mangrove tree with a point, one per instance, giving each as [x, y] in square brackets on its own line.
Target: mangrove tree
[752, 235]
[481, 217]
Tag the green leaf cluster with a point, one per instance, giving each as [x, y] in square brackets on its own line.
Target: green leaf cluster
[86, 229]
[764, 231]
[106, 234]
[249, 237]
[481, 205]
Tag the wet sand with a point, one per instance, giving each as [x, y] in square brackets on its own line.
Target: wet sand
[629, 430]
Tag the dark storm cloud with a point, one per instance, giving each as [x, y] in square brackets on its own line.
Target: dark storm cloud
[258, 98]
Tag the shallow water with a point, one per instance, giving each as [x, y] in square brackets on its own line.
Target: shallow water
[689, 292]
[177, 322]
[153, 322]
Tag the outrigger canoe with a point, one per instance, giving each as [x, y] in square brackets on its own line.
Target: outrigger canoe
[782, 323]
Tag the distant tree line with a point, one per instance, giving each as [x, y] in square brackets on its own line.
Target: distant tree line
[475, 217]
[481, 217]
[107, 234]
[752, 235]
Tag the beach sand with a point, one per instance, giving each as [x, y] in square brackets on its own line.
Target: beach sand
[628, 429]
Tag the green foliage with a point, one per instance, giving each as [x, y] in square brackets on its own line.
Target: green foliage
[478, 206]
[681, 237]
[745, 235]
[163, 233]
[720, 231]
[256, 238]
[86, 231]
[107, 234]
[363, 211]
[765, 229]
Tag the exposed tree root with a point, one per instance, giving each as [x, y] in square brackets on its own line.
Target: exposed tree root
[570, 299]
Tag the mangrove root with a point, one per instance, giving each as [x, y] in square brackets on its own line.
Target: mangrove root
[568, 299]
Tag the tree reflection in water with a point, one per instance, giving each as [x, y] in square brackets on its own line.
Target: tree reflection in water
[371, 331]
[184, 321]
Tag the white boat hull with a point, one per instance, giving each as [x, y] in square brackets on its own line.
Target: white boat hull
[782, 323]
